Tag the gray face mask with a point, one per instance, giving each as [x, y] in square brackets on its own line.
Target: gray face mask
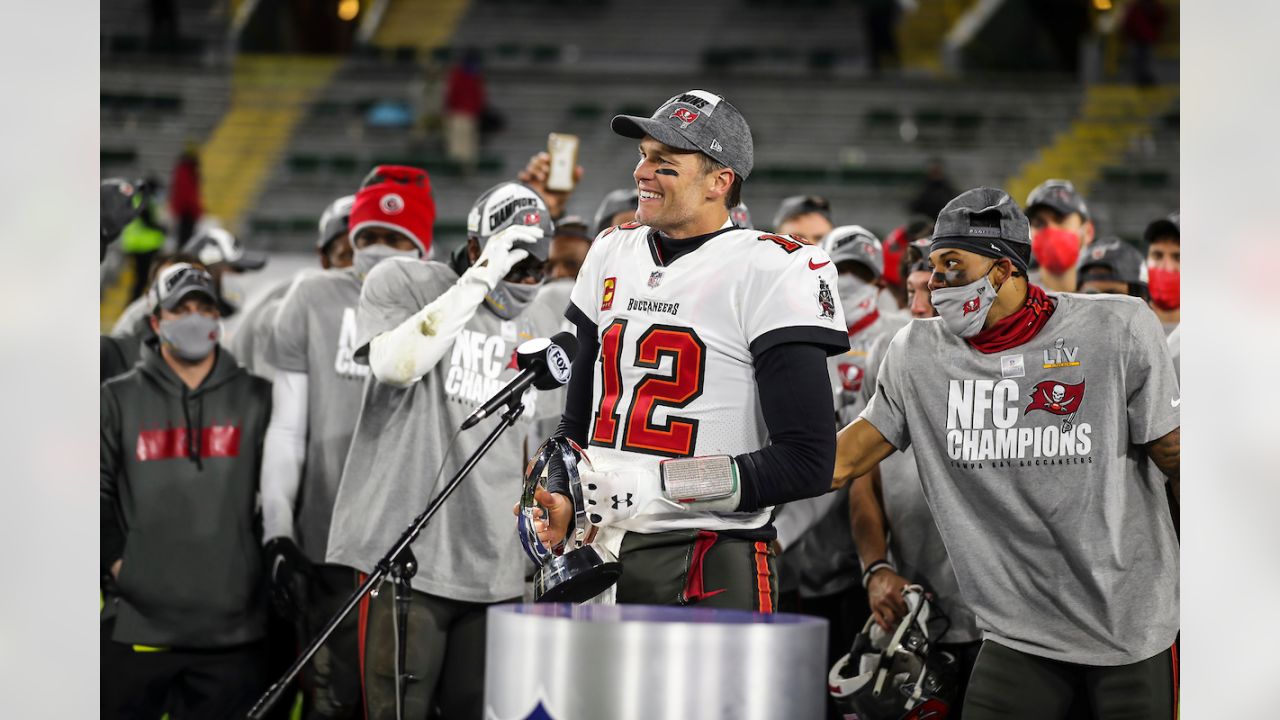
[964, 309]
[191, 337]
[509, 299]
[364, 259]
[858, 298]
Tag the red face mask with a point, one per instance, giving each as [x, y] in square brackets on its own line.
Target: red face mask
[1165, 287]
[1055, 249]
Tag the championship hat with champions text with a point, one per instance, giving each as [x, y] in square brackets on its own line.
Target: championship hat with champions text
[699, 121]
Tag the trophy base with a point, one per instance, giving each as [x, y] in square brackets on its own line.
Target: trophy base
[576, 576]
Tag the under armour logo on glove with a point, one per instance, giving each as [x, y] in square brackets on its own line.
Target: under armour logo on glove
[616, 495]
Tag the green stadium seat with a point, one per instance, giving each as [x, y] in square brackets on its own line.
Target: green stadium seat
[881, 119]
[967, 122]
[302, 224]
[1116, 176]
[930, 118]
[507, 50]
[637, 110]
[821, 59]
[344, 165]
[327, 108]
[585, 111]
[489, 164]
[1152, 179]
[794, 174]
[113, 157]
[405, 55]
[264, 226]
[303, 164]
[545, 53]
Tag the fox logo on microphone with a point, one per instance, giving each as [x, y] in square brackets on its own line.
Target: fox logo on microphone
[558, 363]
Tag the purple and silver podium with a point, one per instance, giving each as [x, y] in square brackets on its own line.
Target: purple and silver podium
[642, 662]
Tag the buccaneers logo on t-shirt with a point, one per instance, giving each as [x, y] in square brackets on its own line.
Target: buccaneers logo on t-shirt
[1057, 398]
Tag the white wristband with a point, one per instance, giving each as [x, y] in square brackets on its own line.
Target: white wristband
[707, 482]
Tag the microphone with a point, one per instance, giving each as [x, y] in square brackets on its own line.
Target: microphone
[544, 363]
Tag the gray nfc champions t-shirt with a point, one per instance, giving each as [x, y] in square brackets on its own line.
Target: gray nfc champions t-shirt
[470, 550]
[315, 333]
[1032, 462]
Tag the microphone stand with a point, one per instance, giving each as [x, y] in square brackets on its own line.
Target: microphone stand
[400, 564]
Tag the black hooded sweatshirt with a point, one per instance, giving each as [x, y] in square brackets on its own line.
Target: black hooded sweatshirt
[179, 484]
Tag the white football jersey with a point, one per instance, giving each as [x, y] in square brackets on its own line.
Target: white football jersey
[675, 377]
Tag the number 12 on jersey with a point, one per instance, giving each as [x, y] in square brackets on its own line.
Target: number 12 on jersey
[676, 389]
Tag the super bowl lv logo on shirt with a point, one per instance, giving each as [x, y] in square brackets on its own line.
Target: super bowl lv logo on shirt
[993, 421]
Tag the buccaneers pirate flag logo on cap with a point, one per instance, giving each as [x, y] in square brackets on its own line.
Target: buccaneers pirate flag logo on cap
[1057, 398]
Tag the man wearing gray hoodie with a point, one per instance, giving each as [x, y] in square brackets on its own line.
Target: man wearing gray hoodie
[183, 587]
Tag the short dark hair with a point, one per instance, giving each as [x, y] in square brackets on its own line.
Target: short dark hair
[734, 197]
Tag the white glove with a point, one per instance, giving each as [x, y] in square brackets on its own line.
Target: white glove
[616, 495]
[501, 254]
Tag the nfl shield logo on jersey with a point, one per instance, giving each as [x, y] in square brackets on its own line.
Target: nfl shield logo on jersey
[655, 278]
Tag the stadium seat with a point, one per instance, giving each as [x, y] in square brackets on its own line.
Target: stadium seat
[303, 164]
[114, 157]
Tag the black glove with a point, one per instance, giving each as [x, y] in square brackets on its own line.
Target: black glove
[289, 572]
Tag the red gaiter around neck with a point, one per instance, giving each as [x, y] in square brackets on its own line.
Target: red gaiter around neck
[1019, 327]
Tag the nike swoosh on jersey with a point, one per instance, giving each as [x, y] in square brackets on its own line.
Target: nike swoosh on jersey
[1176, 402]
[819, 265]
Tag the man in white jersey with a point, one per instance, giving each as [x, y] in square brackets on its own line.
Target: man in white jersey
[440, 340]
[317, 391]
[1043, 426]
[702, 351]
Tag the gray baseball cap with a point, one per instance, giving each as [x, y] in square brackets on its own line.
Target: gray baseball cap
[613, 203]
[985, 221]
[700, 121]
[574, 226]
[176, 282]
[1060, 195]
[1111, 258]
[797, 205]
[335, 220]
[854, 243]
[216, 245]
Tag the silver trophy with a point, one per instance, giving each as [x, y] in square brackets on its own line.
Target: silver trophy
[576, 570]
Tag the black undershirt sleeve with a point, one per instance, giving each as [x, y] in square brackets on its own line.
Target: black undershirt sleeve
[796, 400]
[576, 419]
